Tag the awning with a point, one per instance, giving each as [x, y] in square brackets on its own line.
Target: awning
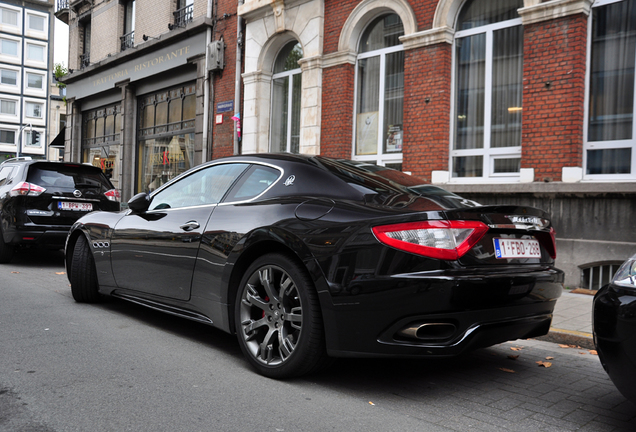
[58, 142]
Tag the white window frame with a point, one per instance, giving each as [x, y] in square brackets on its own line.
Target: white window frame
[39, 121]
[33, 33]
[380, 158]
[8, 58]
[290, 96]
[11, 118]
[36, 63]
[6, 147]
[41, 92]
[601, 145]
[489, 154]
[8, 28]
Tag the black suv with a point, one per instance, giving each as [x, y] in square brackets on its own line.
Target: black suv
[40, 200]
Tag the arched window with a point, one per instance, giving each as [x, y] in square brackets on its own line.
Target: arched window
[488, 73]
[380, 93]
[286, 94]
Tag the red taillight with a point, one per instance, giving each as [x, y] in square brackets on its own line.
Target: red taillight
[548, 241]
[26, 189]
[447, 240]
[113, 195]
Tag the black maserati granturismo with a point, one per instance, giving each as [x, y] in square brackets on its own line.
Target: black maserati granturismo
[306, 258]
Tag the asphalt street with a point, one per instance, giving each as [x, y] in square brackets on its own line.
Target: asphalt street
[119, 367]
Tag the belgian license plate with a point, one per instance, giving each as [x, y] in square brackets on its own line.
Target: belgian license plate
[75, 206]
[517, 248]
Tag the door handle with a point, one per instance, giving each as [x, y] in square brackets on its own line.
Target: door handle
[189, 226]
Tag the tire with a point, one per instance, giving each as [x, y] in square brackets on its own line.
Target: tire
[83, 275]
[278, 321]
[6, 250]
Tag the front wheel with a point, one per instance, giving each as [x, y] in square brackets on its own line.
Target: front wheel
[83, 275]
[278, 319]
[6, 250]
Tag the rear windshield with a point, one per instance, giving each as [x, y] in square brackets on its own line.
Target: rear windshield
[68, 176]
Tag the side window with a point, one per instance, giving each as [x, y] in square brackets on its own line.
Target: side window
[205, 186]
[252, 184]
[5, 173]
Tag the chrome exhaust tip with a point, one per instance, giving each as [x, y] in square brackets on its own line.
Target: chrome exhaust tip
[428, 331]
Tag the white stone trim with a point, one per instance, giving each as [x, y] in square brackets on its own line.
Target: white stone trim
[428, 37]
[554, 9]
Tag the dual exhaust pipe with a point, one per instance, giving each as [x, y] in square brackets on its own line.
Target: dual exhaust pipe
[428, 331]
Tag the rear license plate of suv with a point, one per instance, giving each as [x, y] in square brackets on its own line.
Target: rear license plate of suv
[517, 248]
[67, 205]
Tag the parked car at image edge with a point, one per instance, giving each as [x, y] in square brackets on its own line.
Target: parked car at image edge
[40, 201]
[614, 326]
[307, 258]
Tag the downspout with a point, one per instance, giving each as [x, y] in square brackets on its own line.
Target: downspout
[206, 89]
[237, 83]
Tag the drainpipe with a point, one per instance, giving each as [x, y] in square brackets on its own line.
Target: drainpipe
[206, 89]
[237, 83]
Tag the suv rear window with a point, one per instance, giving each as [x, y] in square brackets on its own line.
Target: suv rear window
[68, 176]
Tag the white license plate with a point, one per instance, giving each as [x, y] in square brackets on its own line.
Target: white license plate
[67, 205]
[517, 248]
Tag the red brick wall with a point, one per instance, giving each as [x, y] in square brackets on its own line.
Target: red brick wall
[223, 81]
[427, 76]
[552, 131]
[337, 111]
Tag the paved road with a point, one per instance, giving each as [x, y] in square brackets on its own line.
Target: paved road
[119, 367]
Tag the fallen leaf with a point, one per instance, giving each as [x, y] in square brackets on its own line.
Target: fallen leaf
[544, 364]
[507, 370]
[516, 348]
[513, 357]
[371, 403]
[60, 273]
[549, 358]
[582, 353]
[15, 272]
[593, 352]
[564, 346]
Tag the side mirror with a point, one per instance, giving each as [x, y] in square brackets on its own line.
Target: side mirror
[139, 203]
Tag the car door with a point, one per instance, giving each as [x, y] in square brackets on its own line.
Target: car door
[155, 251]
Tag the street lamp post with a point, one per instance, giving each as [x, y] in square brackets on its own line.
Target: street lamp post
[17, 153]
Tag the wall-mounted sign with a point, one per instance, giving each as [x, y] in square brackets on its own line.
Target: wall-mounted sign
[219, 119]
[226, 106]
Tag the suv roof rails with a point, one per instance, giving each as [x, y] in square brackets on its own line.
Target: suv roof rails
[20, 158]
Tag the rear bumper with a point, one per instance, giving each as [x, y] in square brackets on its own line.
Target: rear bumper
[53, 236]
[475, 310]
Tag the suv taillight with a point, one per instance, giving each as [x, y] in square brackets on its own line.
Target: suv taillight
[26, 189]
[446, 240]
[113, 195]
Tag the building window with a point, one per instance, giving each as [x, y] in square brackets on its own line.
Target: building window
[7, 137]
[35, 52]
[8, 77]
[184, 13]
[128, 39]
[28, 139]
[9, 47]
[8, 17]
[34, 81]
[35, 22]
[8, 107]
[595, 277]
[286, 96]
[488, 73]
[85, 56]
[34, 110]
[380, 93]
[610, 143]
[101, 136]
[165, 136]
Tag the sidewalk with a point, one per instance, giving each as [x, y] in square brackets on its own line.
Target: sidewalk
[572, 321]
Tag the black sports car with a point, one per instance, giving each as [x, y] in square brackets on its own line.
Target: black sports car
[614, 323]
[307, 257]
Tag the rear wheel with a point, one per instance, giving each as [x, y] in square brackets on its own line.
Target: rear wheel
[278, 320]
[83, 275]
[6, 250]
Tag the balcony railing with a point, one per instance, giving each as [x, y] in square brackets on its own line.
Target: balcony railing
[62, 4]
[61, 12]
[127, 40]
[85, 60]
[183, 16]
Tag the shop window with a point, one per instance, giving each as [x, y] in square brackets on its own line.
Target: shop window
[488, 88]
[286, 97]
[609, 147]
[379, 110]
[166, 135]
[101, 137]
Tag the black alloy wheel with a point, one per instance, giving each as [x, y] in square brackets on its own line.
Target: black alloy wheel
[83, 275]
[278, 319]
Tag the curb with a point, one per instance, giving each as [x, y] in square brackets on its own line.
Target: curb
[569, 337]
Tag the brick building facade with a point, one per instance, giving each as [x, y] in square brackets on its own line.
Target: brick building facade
[517, 101]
